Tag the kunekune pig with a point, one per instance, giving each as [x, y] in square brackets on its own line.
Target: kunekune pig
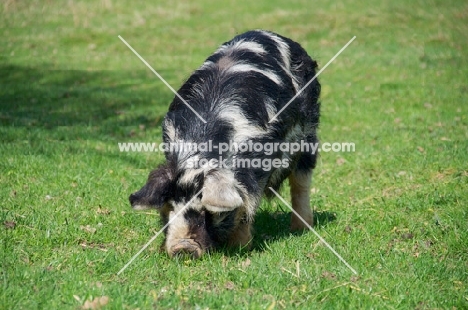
[238, 91]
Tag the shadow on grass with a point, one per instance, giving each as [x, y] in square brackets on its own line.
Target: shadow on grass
[48, 99]
[46, 107]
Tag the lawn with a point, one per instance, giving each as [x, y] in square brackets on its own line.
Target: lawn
[396, 209]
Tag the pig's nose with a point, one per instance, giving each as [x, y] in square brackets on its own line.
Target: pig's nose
[186, 247]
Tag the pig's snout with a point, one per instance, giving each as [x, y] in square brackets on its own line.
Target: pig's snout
[186, 247]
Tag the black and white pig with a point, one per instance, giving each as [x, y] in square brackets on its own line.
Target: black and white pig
[237, 90]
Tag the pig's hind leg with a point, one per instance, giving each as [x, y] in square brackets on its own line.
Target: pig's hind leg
[299, 182]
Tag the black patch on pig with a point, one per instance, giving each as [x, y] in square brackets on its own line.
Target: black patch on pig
[197, 229]
[221, 231]
[203, 230]
[159, 188]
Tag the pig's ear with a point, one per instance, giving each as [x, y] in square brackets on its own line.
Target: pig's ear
[220, 193]
[157, 191]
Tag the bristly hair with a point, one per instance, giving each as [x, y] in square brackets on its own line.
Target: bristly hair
[237, 91]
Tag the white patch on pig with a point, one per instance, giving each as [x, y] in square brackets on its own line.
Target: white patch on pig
[220, 193]
[243, 129]
[243, 67]
[271, 109]
[140, 207]
[242, 45]
[177, 229]
[283, 49]
[170, 130]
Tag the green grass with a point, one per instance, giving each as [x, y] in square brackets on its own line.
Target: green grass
[396, 209]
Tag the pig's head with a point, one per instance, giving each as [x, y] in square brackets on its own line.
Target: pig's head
[196, 222]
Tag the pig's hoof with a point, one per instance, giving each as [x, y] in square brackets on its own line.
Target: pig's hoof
[186, 247]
